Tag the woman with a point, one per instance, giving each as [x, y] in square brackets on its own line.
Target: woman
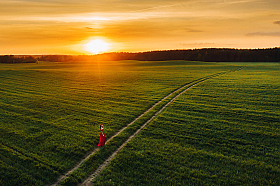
[102, 136]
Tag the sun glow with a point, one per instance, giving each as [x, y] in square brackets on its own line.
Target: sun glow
[97, 46]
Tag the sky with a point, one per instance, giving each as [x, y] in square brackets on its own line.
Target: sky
[67, 26]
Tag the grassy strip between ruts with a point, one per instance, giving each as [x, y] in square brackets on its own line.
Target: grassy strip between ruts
[91, 164]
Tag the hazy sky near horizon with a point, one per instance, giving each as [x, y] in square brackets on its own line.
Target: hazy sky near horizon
[65, 26]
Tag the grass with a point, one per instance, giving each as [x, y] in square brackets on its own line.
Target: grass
[50, 112]
[91, 164]
[224, 131]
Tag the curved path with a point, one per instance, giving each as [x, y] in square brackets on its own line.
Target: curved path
[62, 177]
[89, 181]
[183, 89]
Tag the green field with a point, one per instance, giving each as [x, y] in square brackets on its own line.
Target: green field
[224, 131]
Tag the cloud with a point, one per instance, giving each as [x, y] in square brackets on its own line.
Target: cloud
[202, 44]
[274, 34]
[277, 22]
[192, 30]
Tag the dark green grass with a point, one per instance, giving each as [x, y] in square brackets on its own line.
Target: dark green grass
[50, 112]
[224, 131]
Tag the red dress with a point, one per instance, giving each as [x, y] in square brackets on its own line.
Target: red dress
[101, 138]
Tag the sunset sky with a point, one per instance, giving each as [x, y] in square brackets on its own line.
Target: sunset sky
[68, 26]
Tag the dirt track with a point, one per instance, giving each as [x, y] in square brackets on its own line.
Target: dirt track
[89, 180]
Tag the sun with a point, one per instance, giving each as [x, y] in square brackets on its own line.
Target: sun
[97, 46]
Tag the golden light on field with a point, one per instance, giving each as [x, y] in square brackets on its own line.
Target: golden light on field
[97, 46]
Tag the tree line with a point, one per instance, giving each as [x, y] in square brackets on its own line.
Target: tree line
[207, 55]
[17, 59]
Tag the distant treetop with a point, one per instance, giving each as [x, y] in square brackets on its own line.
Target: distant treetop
[206, 54]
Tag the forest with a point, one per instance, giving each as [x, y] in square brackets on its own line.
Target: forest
[18, 59]
[206, 55]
